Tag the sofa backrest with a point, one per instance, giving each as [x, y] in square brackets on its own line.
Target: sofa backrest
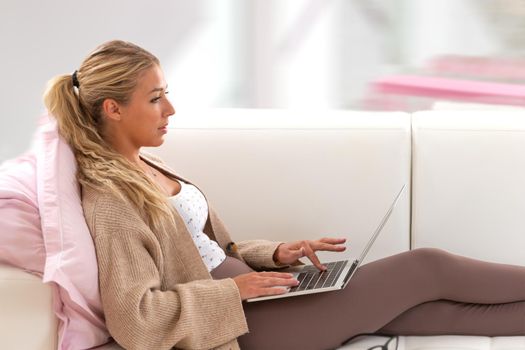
[468, 190]
[290, 175]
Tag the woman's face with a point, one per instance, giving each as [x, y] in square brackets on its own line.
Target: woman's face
[144, 119]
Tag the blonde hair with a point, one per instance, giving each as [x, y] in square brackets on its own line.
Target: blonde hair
[112, 71]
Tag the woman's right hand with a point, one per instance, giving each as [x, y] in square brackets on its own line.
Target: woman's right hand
[258, 284]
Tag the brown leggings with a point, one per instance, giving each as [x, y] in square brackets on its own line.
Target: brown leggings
[420, 292]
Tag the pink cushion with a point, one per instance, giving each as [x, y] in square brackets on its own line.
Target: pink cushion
[48, 234]
[21, 241]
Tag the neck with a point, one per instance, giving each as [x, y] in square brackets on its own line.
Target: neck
[126, 149]
[130, 153]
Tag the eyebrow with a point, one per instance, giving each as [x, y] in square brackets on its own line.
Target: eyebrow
[158, 89]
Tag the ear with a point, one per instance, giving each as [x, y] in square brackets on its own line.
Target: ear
[112, 109]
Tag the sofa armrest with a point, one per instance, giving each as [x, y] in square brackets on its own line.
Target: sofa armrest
[26, 306]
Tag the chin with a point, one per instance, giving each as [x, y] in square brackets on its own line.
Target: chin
[157, 143]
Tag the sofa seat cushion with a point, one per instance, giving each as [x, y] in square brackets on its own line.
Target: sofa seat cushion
[446, 342]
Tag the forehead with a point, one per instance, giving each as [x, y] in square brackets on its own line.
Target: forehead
[151, 79]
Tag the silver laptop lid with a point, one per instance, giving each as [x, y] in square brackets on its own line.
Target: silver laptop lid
[380, 227]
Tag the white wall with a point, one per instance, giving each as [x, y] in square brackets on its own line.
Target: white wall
[40, 39]
[239, 53]
[227, 53]
[443, 27]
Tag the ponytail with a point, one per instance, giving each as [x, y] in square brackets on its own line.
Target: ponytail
[75, 125]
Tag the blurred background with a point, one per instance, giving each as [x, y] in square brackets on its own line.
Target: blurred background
[336, 54]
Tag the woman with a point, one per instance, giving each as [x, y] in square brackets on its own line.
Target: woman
[170, 275]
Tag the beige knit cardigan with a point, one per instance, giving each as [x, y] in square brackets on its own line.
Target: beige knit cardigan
[156, 291]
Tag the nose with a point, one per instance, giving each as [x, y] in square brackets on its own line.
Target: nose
[170, 110]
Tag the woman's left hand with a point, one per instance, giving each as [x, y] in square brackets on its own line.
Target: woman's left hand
[289, 253]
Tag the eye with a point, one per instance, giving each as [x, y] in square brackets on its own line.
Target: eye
[156, 99]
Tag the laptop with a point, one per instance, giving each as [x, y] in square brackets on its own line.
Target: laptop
[337, 273]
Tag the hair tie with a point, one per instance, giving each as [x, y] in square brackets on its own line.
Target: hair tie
[75, 79]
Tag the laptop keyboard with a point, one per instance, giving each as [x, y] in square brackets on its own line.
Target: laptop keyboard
[311, 278]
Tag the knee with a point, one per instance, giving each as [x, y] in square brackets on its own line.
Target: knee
[430, 251]
[433, 257]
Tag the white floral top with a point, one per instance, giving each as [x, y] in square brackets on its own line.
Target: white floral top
[192, 207]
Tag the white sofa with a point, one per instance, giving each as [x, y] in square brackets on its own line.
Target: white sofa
[317, 173]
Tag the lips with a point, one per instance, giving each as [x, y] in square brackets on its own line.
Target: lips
[164, 129]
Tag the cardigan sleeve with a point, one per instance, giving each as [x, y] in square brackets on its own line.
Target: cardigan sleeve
[140, 312]
[259, 253]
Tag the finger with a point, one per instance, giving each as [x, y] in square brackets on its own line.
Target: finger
[279, 282]
[328, 247]
[298, 254]
[314, 259]
[332, 240]
[275, 274]
[273, 291]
